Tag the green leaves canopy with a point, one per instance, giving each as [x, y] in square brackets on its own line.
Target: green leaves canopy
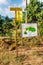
[34, 11]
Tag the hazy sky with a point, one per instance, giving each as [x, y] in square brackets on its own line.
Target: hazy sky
[6, 4]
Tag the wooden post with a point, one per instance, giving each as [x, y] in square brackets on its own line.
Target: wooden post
[16, 9]
[16, 35]
[26, 3]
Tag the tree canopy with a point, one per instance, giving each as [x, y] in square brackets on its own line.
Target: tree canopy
[35, 11]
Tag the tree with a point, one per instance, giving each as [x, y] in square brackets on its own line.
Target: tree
[6, 26]
[41, 4]
[1, 23]
[34, 11]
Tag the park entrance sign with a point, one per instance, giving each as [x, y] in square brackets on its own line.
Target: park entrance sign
[29, 30]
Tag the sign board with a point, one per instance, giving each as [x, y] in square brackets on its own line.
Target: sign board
[29, 30]
[18, 13]
[16, 9]
[19, 16]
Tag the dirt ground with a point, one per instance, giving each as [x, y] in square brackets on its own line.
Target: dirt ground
[31, 54]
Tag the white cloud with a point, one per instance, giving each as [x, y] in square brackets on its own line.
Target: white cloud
[7, 12]
[41, 0]
[22, 4]
[5, 2]
[1, 11]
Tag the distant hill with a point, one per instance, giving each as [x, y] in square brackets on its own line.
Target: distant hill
[3, 17]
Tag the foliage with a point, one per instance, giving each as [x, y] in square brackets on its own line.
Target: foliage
[40, 28]
[35, 11]
[6, 26]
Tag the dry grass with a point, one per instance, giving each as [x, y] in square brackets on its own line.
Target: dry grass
[29, 53]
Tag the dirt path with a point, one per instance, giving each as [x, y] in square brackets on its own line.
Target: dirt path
[33, 56]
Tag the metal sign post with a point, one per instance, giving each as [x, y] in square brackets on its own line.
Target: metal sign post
[16, 9]
[26, 11]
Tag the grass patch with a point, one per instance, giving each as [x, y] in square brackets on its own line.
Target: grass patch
[35, 53]
[21, 58]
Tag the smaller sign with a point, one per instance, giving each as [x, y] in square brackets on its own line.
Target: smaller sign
[29, 30]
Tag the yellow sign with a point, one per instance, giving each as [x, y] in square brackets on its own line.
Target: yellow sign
[16, 9]
[18, 13]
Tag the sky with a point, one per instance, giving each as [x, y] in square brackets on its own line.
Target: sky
[6, 4]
